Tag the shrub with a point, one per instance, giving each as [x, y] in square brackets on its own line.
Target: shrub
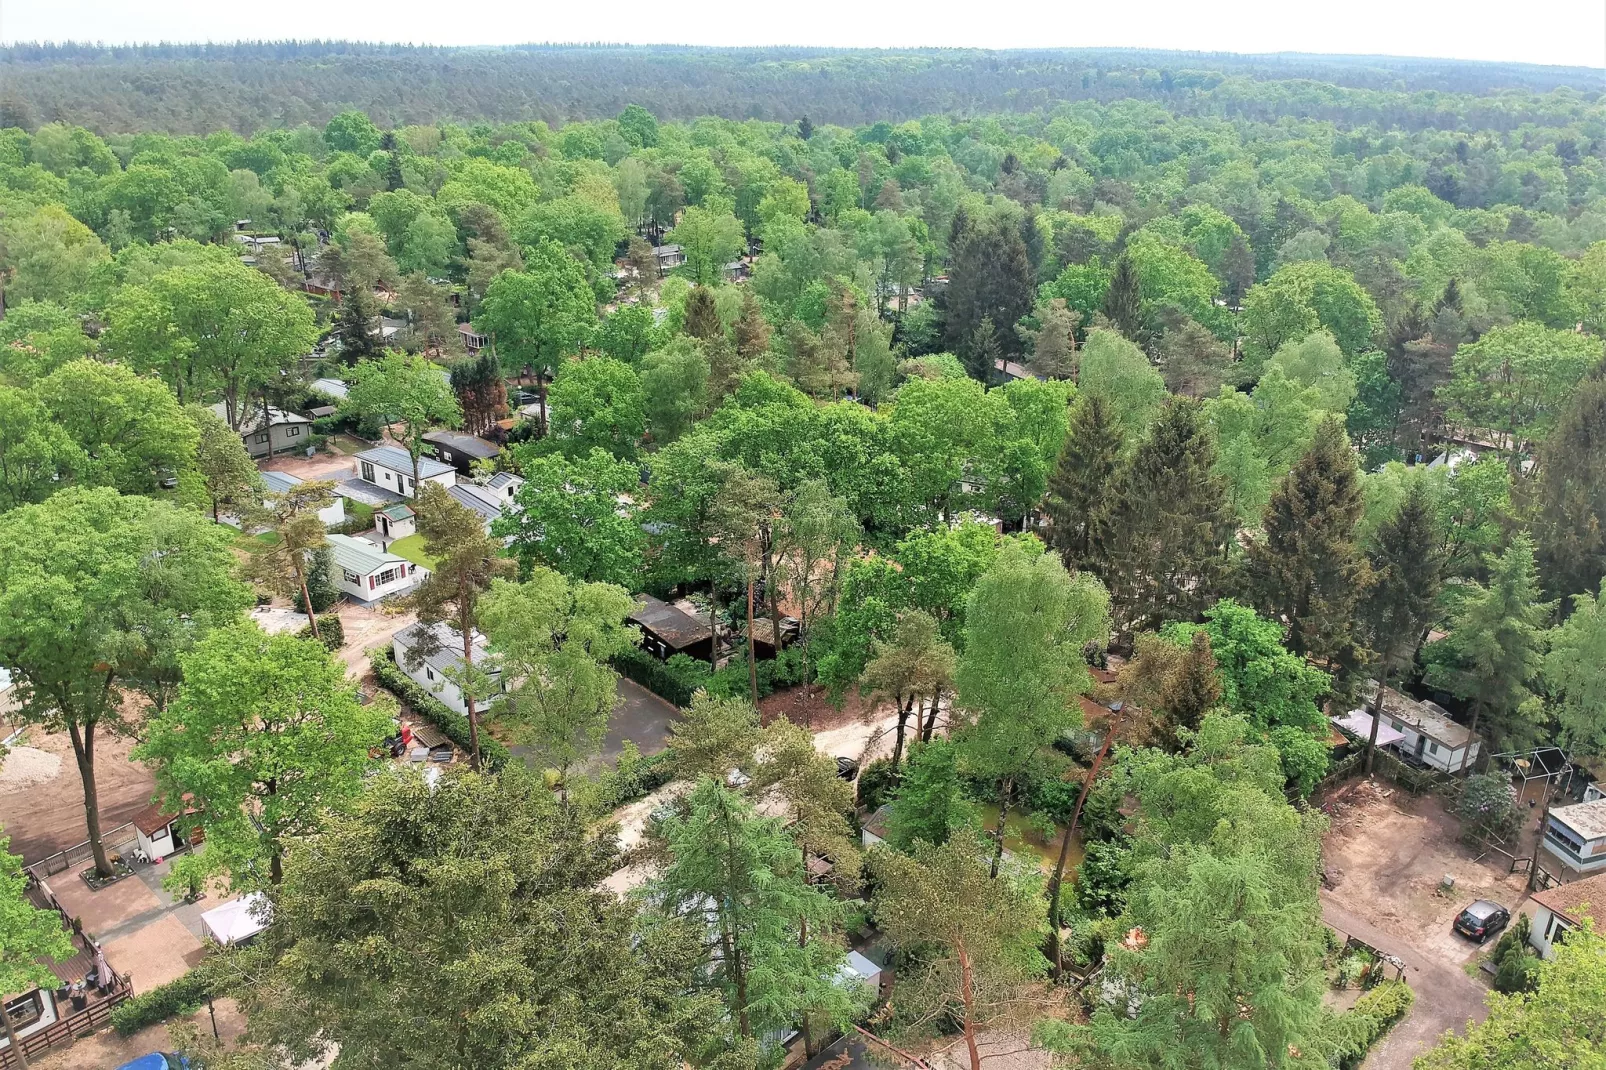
[179, 996]
[1516, 966]
[878, 783]
[1103, 877]
[331, 632]
[1354, 1032]
[1489, 807]
[451, 723]
[634, 777]
[320, 586]
[638, 665]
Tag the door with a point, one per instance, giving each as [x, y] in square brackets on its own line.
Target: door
[1421, 745]
[384, 526]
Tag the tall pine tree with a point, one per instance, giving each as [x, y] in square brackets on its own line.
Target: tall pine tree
[1123, 301]
[1170, 527]
[991, 277]
[1306, 570]
[1406, 567]
[1080, 488]
[701, 318]
[1570, 528]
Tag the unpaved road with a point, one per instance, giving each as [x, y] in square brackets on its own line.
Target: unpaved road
[1446, 998]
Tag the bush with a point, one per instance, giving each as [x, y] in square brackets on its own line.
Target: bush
[1516, 966]
[331, 632]
[1354, 1032]
[634, 777]
[878, 783]
[179, 996]
[638, 665]
[451, 723]
[1103, 877]
[1489, 807]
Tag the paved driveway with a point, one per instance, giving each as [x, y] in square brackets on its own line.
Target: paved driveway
[1446, 998]
[639, 716]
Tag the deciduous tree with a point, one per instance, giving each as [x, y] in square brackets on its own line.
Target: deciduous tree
[408, 395]
[569, 518]
[282, 563]
[31, 936]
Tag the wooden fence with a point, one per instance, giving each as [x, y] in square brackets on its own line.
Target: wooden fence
[119, 840]
[63, 1032]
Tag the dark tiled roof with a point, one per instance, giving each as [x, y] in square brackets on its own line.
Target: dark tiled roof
[674, 626]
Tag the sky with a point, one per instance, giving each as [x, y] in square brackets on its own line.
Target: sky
[1567, 32]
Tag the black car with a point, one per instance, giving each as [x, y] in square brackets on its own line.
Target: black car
[1482, 920]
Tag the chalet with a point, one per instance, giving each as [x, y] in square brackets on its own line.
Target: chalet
[278, 483]
[86, 988]
[391, 468]
[434, 663]
[482, 500]
[873, 829]
[473, 341]
[1564, 907]
[669, 257]
[460, 450]
[1428, 735]
[267, 431]
[367, 574]
[1007, 371]
[1575, 836]
[668, 630]
[333, 388]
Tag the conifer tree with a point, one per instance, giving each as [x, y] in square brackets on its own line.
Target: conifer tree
[982, 352]
[1080, 487]
[1570, 528]
[1123, 301]
[1406, 566]
[990, 277]
[1054, 344]
[1495, 647]
[1170, 526]
[702, 316]
[1307, 569]
[752, 329]
[354, 326]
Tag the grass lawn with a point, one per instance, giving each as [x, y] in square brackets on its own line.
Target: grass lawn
[359, 514]
[412, 548]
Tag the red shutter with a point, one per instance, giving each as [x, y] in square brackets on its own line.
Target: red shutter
[370, 583]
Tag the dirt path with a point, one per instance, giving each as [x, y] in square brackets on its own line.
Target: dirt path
[1446, 998]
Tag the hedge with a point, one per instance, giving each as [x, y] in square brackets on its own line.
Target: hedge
[331, 632]
[638, 665]
[451, 723]
[179, 996]
[1356, 1030]
[635, 777]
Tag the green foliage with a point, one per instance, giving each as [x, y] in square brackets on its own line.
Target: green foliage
[665, 681]
[331, 632]
[1489, 807]
[930, 805]
[1351, 1035]
[32, 935]
[1260, 678]
[180, 996]
[569, 517]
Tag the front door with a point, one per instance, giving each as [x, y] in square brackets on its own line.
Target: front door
[1421, 745]
[384, 526]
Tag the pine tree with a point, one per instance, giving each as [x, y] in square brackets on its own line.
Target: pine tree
[1307, 570]
[701, 319]
[990, 278]
[1054, 343]
[1570, 528]
[1238, 270]
[1193, 687]
[1406, 567]
[982, 353]
[752, 329]
[1123, 301]
[1170, 526]
[354, 326]
[1080, 487]
[1495, 648]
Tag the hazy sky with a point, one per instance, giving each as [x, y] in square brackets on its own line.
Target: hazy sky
[1535, 31]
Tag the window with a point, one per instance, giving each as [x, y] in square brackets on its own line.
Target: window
[1433, 748]
[368, 472]
[429, 674]
[1397, 726]
[263, 437]
[26, 1010]
[295, 431]
[388, 576]
[350, 577]
[1555, 930]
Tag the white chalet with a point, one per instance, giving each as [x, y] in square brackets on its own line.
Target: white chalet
[366, 574]
[439, 661]
[391, 468]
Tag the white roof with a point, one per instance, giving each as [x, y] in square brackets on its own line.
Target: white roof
[363, 558]
[399, 460]
[1358, 723]
[1587, 819]
[333, 387]
[237, 921]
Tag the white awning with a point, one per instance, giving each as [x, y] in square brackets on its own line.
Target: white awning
[236, 922]
[1358, 723]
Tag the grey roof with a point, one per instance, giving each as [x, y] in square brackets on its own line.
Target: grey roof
[476, 499]
[363, 558]
[1425, 718]
[1587, 819]
[360, 490]
[279, 482]
[335, 388]
[399, 460]
[448, 654]
[472, 445]
[501, 480]
[251, 420]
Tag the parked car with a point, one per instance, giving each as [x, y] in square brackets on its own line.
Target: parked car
[1482, 920]
[158, 1061]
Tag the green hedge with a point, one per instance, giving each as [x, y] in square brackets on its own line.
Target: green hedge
[179, 996]
[634, 777]
[453, 724]
[331, 632]
[1356, 1030]
[638, 665]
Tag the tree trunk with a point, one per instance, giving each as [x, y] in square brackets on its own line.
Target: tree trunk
[1376, 709]
[931, 718]
[904, 709]
[752, 646]
[1065, 850]
[807, 1029]
[769, 589]
[540, 397]
[11, 1035]
[468, 704]
[713, 626]
[306, 596]
[1006, 789]
[83, 745]
[967, 996]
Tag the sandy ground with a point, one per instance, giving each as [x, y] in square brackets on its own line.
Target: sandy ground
[1385, 856]
[368, 627]
[107, 1049]
[43, 816]
[317, 467]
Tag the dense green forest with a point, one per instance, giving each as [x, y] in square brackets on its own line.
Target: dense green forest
[195, 89]
[981, 367]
